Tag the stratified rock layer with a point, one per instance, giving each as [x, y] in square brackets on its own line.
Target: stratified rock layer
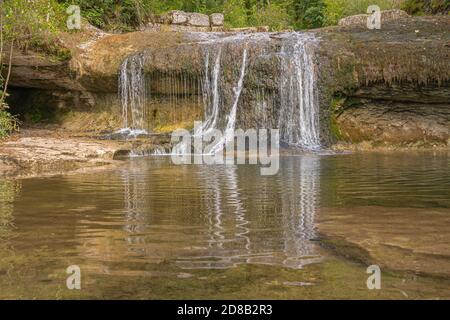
[388, 86]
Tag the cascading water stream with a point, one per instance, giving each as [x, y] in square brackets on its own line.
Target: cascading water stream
[211, 92]
[229, 131]
[132, 93]
[299, 113]
[237, 91]
[298, 102]
[294, 101]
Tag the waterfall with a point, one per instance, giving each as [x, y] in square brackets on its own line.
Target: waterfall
[237, 91]
[298, 105]
[132, 93]
[229, 64]
[211, 91]
[212, 96]
[229, 131]
[299, 112]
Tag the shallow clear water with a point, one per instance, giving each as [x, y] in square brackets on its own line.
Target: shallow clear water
[150, 229]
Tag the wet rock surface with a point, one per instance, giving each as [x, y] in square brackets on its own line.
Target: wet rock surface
[394, 79]
[41, 151]
[402, 67]
[408, 124]
[35, 152]
[378, 235]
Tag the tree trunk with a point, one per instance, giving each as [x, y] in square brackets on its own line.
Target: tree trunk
[5, 85]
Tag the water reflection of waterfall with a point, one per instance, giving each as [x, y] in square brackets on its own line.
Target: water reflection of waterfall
[245, 230]
[214, 217]
[228, 241]
[135, 184]
[299, 205]
[9, 190]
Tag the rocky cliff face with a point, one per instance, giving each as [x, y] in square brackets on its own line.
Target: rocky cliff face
[382, 86]
[389, 86]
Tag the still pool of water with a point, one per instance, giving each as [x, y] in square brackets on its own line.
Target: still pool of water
[151, 229]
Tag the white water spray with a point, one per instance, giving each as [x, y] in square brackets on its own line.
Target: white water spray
[299, 113]
[295, 101]
[211, 92]
[132, 93]
[229, 131]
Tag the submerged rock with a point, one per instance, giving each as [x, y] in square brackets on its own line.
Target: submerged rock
[394, 246]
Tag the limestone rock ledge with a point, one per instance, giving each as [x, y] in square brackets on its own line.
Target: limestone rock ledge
[388, 87]
[383, 86]
[38, 152]
[51, 151]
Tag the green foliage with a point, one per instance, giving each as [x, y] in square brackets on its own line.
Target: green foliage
[8, 123]
[114, 15]
[235, 13]
[314, 17]
[34, 24]
[419, 7]
[309, 13]
[126, 15]
[4, 116]
[275, 16]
